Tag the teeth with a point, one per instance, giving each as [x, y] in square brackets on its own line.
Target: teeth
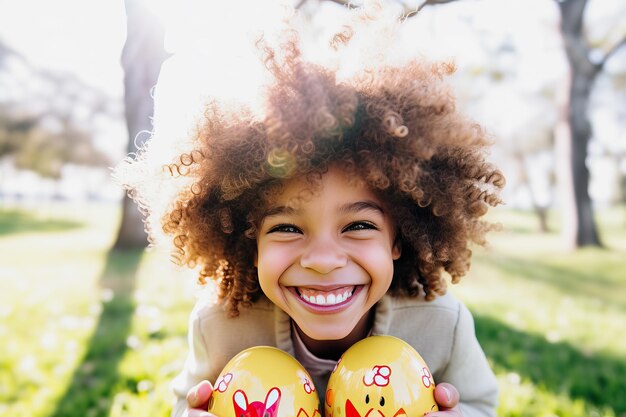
[330, 299]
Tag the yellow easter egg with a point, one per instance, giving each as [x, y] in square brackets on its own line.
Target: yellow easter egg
[380, 376]
[264, 381]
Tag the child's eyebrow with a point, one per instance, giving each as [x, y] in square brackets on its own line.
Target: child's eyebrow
[361, 206]
[279, 210]
[345, 209]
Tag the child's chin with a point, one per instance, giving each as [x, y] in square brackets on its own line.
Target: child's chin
[328, 333]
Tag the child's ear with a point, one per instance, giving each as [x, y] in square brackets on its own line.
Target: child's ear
[396, 251]
[256, 259]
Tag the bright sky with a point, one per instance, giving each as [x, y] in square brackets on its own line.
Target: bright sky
[85, 37]
[77, 36]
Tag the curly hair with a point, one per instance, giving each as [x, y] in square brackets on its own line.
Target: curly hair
[395, 127]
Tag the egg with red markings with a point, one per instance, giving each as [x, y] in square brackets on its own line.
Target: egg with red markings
[264, 381]
[380, 376]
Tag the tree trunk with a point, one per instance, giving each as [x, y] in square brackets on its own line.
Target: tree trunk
[142, 57]
[586, 230]
[574, 127]
[540, 210]
[621, 161]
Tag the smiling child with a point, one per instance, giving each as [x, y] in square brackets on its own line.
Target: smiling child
[336, 213]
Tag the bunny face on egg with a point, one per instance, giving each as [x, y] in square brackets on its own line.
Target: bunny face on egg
[380, 376]
[268, 408]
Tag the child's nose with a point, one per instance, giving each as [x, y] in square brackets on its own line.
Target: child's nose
[323, 255]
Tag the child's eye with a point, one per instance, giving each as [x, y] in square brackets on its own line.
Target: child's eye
[360, 226]
[284, 228]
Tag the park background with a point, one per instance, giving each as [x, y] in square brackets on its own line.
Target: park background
[93, 325]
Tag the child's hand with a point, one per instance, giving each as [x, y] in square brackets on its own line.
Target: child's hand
[198, 400]
[447, 398]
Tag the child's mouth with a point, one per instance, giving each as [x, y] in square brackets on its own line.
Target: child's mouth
[325, 298]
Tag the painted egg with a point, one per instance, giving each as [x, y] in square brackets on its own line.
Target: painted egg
[264, 381]
[380, 376]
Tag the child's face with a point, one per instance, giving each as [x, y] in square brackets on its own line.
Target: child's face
[327, 261]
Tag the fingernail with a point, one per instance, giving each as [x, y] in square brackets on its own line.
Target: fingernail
[448, 393]
[194, 395]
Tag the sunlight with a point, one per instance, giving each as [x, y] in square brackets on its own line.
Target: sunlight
[219, 38]
[213, 58]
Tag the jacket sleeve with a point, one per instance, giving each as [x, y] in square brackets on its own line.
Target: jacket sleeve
[469, 371]
[196, 368]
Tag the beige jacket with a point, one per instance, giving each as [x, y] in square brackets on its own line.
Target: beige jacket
[442, 331]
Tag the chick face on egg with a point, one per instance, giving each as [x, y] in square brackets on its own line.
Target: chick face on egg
[264, 381]
[380, 376]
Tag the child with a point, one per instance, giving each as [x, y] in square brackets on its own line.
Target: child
[331, 216]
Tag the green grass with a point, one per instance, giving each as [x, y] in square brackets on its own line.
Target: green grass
[551, 320]
[17, 221]
[88, 332]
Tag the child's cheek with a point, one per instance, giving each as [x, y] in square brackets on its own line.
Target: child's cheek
[273, 260]
[376, 257]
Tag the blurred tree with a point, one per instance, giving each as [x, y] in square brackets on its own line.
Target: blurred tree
[39, 128]
[520, 114]
[44, 145]
[142, 57]
[12, 131]
[574, 130]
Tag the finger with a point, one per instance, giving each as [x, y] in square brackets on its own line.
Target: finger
[198, 396]
[446, 396]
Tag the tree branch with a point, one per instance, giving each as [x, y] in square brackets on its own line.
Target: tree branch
[408, 12]
[413, 12]
[611, 52]
[347, 3]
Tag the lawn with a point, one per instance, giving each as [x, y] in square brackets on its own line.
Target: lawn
[88, 332]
